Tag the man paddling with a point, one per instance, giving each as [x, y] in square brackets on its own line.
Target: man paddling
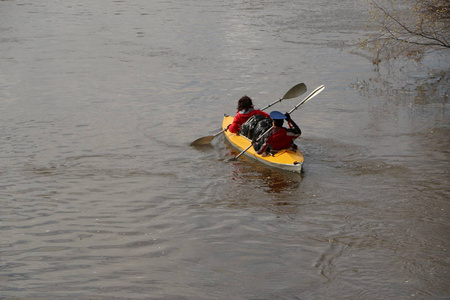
[245, 111]
[278, 137]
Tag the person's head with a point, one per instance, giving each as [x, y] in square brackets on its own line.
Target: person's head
[277, 118]
[244, 103]
[278, 123]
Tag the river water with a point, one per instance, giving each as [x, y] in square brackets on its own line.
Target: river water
[103, 198]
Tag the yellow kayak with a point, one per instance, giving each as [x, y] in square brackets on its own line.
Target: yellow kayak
[285, 159]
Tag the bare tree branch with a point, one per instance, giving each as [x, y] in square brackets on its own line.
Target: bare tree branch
[408, 27]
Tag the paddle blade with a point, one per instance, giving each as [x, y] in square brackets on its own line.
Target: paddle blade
[295, 91]
[206, 140]
[310, 96]
[314, 93]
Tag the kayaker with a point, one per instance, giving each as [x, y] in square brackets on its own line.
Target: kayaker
[245, 111]
[278, 137]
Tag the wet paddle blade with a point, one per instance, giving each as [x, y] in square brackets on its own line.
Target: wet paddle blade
[206, 140]
[310, 96]
[295, 91]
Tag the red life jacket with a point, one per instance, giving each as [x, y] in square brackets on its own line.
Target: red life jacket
[280, 139]
[240, 119]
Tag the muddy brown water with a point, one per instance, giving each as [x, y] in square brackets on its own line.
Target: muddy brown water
[102, 197]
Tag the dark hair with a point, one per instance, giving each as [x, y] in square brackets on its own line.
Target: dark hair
[278, 122]
[244, 103]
